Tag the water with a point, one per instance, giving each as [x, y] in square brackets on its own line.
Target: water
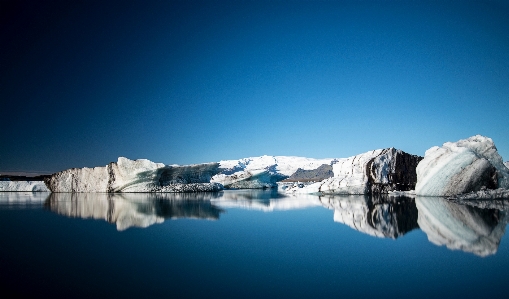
[248, 244]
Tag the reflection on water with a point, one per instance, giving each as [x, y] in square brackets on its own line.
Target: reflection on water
[378, 216]
[469, 228]
[461, 227]
[134, 209]
[22, 200]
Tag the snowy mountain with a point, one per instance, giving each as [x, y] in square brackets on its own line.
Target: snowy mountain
[264, 171]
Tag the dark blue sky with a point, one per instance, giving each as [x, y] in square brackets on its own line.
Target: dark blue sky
[84, 82]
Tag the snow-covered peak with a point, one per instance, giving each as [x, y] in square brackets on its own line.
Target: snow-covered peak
[285, 165]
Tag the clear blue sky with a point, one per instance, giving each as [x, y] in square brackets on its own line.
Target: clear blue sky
[191, 82]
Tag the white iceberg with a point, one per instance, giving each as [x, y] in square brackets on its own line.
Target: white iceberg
[378, 171]
[460, 167]
[23, 186]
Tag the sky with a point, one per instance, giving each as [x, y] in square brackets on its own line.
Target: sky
[184, 82]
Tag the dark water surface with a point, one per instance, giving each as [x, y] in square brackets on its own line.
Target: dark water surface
[239, 244]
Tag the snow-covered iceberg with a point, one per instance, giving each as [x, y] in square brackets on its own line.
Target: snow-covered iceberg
[461, 227]
[126, 175]
[23, 186]
[459, 167]
[373, 172]
[378, 216]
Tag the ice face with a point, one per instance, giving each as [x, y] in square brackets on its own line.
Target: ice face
[461, 167]
[375, 172]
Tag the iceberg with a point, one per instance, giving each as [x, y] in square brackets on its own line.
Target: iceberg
[461, 227]
[373, 172]
[127, 176]
[468, 165]
[23, 186]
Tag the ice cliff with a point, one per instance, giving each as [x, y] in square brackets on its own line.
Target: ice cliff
[469, 165]
[373, 172]
[128, 176]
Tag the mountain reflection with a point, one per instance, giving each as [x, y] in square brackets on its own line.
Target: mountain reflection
[265, 200]
[378, 216]
[134, 209]
[461, 227]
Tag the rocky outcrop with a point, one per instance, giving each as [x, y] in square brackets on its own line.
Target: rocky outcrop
[133, 210]
[468, 165]
[313, 175]
[374, 172]
[461, 227]
[379, 216]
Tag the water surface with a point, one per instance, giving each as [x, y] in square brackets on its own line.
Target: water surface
[249, 244]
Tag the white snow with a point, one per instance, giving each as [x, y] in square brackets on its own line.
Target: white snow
[18, 186]
[457, 166]
[258, 172]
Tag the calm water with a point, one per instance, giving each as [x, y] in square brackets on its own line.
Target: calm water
[239, 244]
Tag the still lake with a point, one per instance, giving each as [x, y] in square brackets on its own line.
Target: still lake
[249, 243]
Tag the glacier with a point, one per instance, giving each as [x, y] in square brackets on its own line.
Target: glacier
[471, 164]
[374, 172]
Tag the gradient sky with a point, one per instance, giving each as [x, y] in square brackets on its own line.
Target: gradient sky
[192, 82]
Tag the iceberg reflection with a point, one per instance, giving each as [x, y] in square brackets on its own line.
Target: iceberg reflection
[473, 226]
[461, 227]
[265, 200]
[134, 209]
[379, 216]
